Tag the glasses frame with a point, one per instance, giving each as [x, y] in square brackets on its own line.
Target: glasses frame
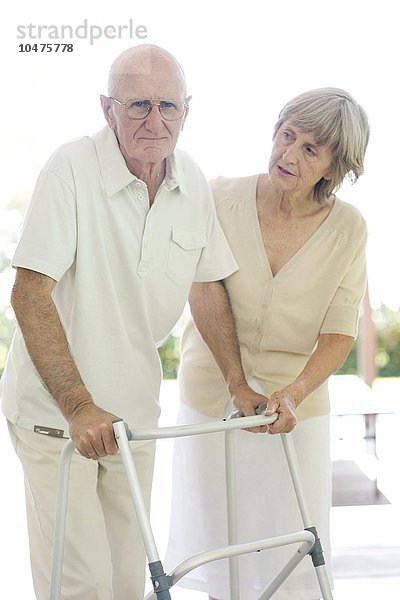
[153, 103]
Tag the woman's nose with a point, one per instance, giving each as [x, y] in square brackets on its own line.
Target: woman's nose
[290, 154]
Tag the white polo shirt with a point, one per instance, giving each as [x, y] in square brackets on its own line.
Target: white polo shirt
[123, 273]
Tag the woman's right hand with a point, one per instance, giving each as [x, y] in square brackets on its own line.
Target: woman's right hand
[283, 403]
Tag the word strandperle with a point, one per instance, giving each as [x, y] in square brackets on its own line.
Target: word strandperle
[85, 31]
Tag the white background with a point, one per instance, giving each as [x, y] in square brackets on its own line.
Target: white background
[243, 62]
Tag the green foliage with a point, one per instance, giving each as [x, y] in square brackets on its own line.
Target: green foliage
[387, 323]
[350, 366]
[169, 354]
[387, 358]
[6, 332]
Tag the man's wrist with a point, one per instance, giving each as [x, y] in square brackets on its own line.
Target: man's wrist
[76, 401]
[237, 385]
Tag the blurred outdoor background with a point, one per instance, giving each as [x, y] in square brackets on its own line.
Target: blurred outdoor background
[242, 65]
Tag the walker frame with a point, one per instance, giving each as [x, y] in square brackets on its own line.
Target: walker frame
[307, 540]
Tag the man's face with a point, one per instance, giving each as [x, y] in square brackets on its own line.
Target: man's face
[152, 139]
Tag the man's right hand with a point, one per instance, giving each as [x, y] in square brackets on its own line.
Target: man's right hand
[37, 315]
[92, 432]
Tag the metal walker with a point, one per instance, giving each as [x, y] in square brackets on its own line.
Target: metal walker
[306, 541]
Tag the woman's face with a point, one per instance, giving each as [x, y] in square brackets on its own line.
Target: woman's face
[297, 163]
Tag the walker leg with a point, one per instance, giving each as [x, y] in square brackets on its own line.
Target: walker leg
[316, 552]
[232, 512]
[300, 553]
[161, 582]
[60, 519]
[323, 581]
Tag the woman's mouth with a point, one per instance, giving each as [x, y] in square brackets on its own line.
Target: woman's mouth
[283, 171]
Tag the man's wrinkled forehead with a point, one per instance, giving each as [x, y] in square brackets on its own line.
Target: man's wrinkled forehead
[149, 74]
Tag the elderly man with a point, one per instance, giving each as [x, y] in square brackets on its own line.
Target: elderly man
[119, 226]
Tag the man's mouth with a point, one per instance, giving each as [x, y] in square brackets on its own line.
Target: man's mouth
[152, 139]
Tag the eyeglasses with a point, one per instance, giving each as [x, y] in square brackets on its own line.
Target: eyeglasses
[170, 110]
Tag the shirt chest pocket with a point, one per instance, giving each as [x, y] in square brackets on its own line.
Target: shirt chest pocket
[184, 253]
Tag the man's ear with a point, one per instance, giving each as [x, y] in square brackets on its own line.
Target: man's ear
[106, 105]
[187, 100]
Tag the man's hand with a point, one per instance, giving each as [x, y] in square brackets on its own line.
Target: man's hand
[246, 400]
[282, 402]
[90, 426]
[92, 432]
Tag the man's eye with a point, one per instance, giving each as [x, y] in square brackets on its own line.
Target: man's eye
[167, 104]
[139, 103]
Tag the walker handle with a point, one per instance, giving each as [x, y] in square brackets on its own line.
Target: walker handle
[236, 414]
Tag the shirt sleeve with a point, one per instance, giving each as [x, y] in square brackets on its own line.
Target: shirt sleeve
[47, 242]
[343, 313]
[216, 261]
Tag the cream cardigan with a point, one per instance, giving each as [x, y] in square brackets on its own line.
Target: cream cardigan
[278, 319]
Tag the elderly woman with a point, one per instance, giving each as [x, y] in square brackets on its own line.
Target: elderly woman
[287, 320]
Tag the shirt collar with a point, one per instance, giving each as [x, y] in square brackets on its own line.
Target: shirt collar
[175, 176]
[116, 174]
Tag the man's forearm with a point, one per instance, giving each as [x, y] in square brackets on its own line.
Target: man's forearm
[46, 341]
[212, 313]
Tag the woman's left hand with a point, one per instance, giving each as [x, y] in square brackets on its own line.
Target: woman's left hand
[283, 403]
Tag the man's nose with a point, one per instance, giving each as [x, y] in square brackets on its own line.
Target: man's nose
[154, 120]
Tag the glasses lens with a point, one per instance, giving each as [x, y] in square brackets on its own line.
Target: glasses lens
[138, 109]
[171, 110]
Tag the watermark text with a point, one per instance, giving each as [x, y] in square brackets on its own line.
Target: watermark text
[84, 31]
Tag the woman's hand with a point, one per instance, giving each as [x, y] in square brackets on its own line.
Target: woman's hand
[283, 403]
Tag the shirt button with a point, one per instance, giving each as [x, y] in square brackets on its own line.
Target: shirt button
[140, 196]
[138, 184]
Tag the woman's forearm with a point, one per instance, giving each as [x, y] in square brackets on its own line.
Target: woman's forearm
[330, 354]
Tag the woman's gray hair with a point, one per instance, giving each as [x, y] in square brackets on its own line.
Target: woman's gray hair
[335, 120]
